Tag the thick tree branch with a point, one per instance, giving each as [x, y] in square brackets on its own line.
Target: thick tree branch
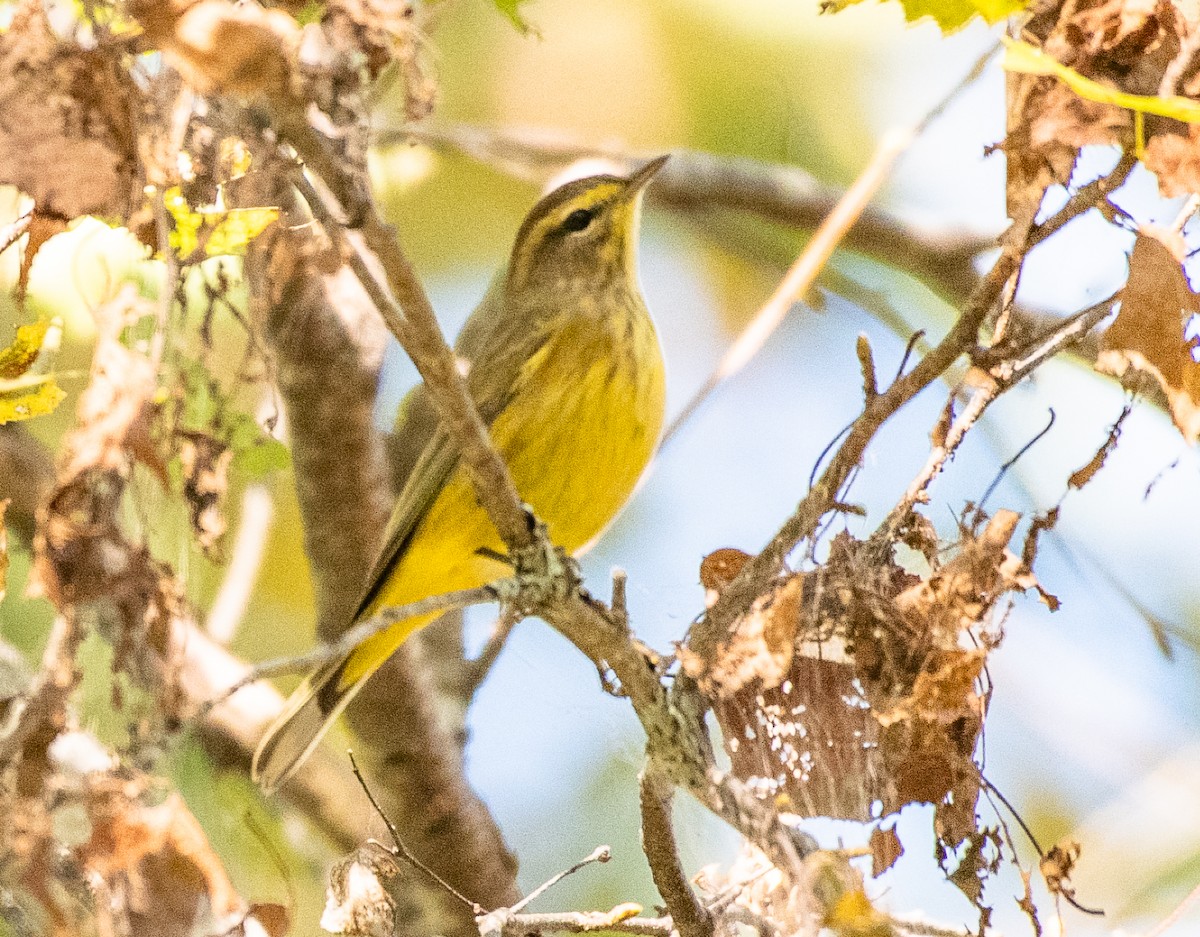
[327, 343]
[658, 842]
[695, 181]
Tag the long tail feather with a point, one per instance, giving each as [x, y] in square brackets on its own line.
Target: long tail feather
[310, 712]
[317, 703]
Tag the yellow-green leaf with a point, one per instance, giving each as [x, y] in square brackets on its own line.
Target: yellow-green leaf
[24, 394]
[217, 232]
[17, 358]
[237, 229]
[950, 15]
[25, 398]
[1029, 60]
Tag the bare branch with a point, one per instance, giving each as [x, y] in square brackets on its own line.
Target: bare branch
[15, 230]
[400, 851]
[801, 275]
[348, 640]
[599, 854]
[658, 842]
[763, 567]
[1176, 914]
[582, 922]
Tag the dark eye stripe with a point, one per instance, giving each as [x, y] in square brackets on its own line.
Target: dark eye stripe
[579, 219]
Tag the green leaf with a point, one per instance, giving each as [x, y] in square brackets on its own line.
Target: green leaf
[213, 231]
[17, 358]
[261, 459]
[511, 9]
[26, 398]
[1026, 59]
[950, 15]
[25, 394]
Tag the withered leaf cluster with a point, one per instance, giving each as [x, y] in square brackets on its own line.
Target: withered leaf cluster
[83, 553]
[857, 688]
[1140, 47]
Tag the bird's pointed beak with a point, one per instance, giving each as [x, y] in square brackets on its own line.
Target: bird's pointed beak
[642, 176]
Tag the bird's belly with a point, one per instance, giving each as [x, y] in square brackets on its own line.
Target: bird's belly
[575, 441]
[580, 461]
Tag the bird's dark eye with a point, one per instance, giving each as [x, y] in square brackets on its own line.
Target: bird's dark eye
[579, 219]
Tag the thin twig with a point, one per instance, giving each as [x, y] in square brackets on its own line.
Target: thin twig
[599, 854]
[351, 638]
[400, 851]
[1003, 470]
[479, 668]
[658, 843]
[939, 453]
[759, 570]
[1176, 915]
[799, 277]
[828, 235]
[1085, 199]
[866, 364]
[582, 922]
[410, 317]
[15, 230]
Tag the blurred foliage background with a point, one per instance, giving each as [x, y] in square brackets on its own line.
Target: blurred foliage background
[1094, 731]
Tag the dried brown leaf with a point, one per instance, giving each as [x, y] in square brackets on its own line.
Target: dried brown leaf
[72, 149]
[976, 864]
[1057, 865]
[721, 567]
[759, 648]
[1025, 903]
[205, 461]
[240, 50]
[357, 903]
[1175, 158]
[810, 743]
[886, 848]
[154, 863]
[1148, 334]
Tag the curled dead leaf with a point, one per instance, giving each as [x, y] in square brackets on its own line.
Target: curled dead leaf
[154, 863]
[245, 50]
[760, 645]
[721, 567]
[72, 150]
[357, 902]
[1057, 865]
[1148, 334]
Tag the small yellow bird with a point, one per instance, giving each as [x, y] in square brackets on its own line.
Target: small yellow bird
[563, 362]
